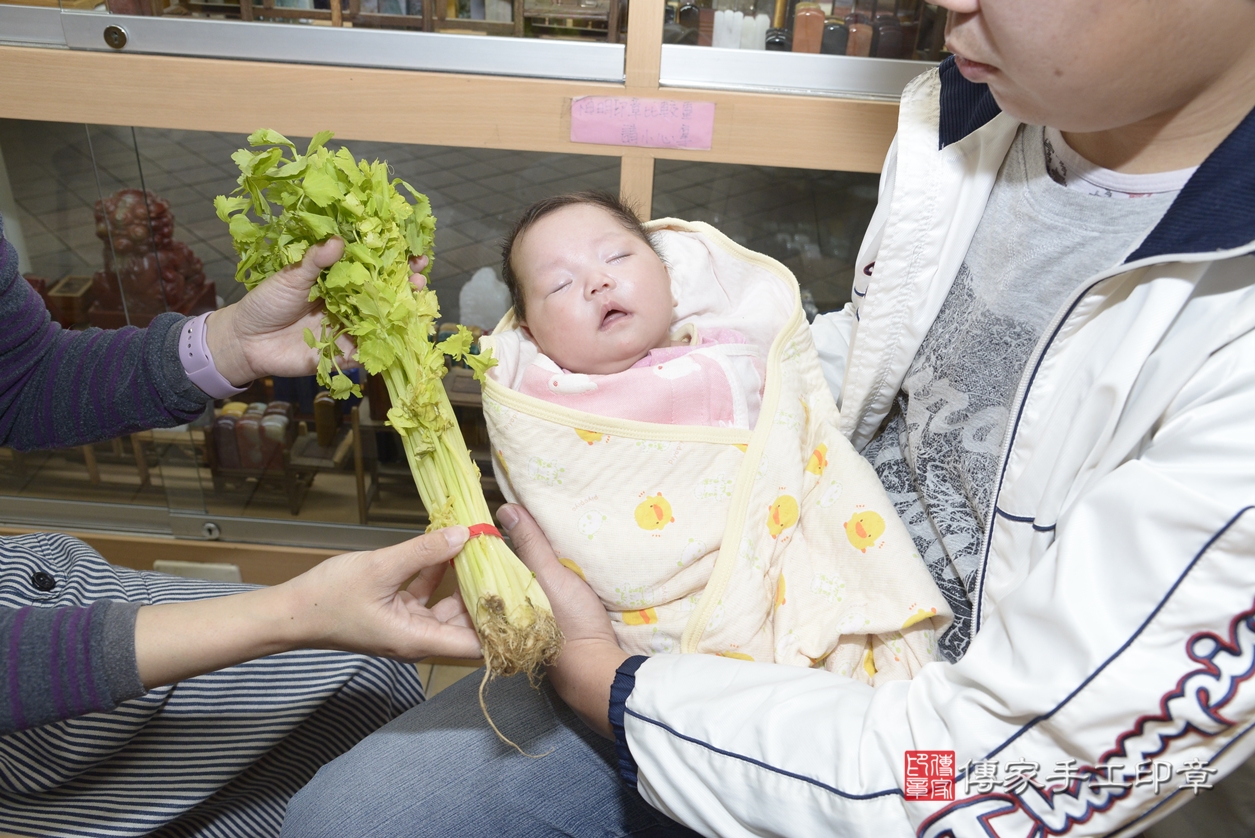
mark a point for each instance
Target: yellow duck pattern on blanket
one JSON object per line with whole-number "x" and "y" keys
{"x": 776, "y": 544}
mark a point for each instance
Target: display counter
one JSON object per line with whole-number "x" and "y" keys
{"x": 101, "y": 110}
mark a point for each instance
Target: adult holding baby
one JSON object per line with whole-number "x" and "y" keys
{"x": 1050, "y": 361}
{"x": 104, "y": 725}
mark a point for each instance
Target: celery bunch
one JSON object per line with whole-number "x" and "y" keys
{"x": 302, "y": 199}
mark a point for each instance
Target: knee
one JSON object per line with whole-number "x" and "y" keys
{"x": 382, "y": 777}
{"x": 316, "y": 810}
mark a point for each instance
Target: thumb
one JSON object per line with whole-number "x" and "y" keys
{"x": 530, "y": 543}
{"x": 316, "y": 260}
{"x": 576, "y": 606}
{"x": 399, "y": 562}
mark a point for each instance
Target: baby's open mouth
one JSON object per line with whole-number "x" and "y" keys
{"x": 612, "y": 316}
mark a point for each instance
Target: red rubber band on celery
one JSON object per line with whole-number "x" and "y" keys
{"x": 483, "y": 529}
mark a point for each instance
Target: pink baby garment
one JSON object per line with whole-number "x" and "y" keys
{"x": 716, "y": 379}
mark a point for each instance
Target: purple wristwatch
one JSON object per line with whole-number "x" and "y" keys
{"x": 199, "y": 364}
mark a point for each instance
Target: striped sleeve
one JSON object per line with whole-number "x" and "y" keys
{"x": 65, "y": 662}
{"x": 62, "y": 388}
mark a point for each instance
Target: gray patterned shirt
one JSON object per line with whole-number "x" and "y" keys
{"x": 939, "y": 451}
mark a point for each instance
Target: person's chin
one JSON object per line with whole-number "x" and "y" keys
{"x": 612, "y": 367}
{"x": 1025, "y": 106}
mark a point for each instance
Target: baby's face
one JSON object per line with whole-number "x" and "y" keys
{"x": 597, "y": 297}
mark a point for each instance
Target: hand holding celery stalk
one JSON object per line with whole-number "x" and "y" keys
{"x": 367, "y": 296}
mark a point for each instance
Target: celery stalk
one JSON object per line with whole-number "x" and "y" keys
{"x": 367, "y": 296}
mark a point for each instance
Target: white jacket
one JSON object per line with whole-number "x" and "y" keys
{"x": 1115, "y": 614}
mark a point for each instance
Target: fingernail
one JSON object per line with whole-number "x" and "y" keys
{"x": 456, "y": 536}
{"x": 508, "y": 517}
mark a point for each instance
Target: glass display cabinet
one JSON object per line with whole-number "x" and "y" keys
{"x": 116, "y": 225}
{"x": 117, "y": 124}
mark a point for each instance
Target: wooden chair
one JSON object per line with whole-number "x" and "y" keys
{"x": 371, "y": 474}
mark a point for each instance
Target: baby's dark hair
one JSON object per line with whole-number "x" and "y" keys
{"x": 622, "y": 213}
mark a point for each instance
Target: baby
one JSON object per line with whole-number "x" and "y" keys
{"x": 666, "y": 422}
{"x": 597, "y": 300}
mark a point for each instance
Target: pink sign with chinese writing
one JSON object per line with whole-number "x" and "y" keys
{"x": 647, "y": 123}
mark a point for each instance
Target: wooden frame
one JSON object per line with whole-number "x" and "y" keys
{"x": 436, "y": 108}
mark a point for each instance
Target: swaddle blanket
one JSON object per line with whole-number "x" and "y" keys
{"x": 776, "y": 543}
